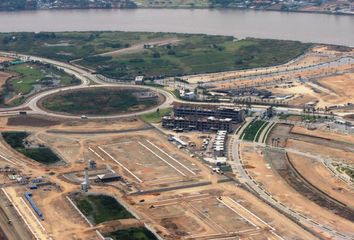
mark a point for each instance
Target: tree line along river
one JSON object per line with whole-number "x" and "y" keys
{"x": 306, "y": 27}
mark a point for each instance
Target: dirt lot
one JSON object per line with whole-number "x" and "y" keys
{"x": 209, "y": 213}
{"x": 271, "y": 181}
{"x": 342, "y": 85}
{"x": 5, "y": 59}
{"x": 318, "y": 175}
{"x": 199, "y": 212}
{"x": 3, "y": 77}
{"x": 323, "y": 134}
{"x": 155, "y": 165}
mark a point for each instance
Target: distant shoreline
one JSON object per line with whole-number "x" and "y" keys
{"x": 185, "y": 7}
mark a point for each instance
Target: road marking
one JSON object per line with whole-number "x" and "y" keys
{"x": 247, "y": 220}
{"x": 99, "y": 156}
{"x": 254, "y": 215}
{"x": 120, "y": 164}
{"x": 6, "y": 159}
{"x": 169, "y": 164}
{"x": 185, "y": 167}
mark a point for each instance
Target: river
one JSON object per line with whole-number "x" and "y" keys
{"x": 306, "y": 27}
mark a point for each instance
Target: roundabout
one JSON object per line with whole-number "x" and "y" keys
{"x": 102, "y": 101}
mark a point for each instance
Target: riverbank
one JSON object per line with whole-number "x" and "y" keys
{"x": 305, "y": 27}
{"x": 193, "y": 7}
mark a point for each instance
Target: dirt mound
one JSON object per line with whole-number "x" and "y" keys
{"x": 31, "y": 121}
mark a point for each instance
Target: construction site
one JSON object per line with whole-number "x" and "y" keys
{"x": 264, "y": 172}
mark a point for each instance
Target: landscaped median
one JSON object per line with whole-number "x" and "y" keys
{"x": 253, "y": 130}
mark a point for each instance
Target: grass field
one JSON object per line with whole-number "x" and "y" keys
{"x": 30, "y": 78}
{"x": 155, "y": 117}
{"x": 101, "y": 208}
{"x": 40, "y": 154}
{"x": 251, "y": 131}
{"x": 31, "y": 74}
{"x": 193, "y": 54}
{"x": 66, "y": 46}
{"x": 132, "y": 234}
{"x": 197, "y": 54}
{"x": 101, "y": 101}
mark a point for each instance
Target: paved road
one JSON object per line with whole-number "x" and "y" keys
{"x": 235, "y": 162}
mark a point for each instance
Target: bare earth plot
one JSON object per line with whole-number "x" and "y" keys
{"x": 206, "y": 214}
{"x": 263, "y": 172}
{"x": 152, "y": 166}
{"x": 140, "y": 47}
{"x": 318, "y": 175}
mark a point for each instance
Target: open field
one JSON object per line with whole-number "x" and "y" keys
{"x": 132, "y": 234}
{"x": 66, "y": 46}
{"x": 196, "y": 54}
{"x": 27, "y": 79}
{"x": 27, "y": 75}
{"x": 153, "y": 166}
{"x": 101, "y": 208}
{"x": 111, "y": 101}
{"x": 156, "y": 116}
{"x": 318, "y": 175}
{"x": 209, "y": 213}
{"x": 19, "y": 141}
{"x": 191, "y": 54}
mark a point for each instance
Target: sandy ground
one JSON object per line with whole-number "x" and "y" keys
{"x": 198, "y": 212}
{"x": 323, "y": 134}
{"x": 342, "y": 85}
{"x": 140, "y": 47}
{"x": 326, "y": 152}
{"x": 63, "y": 222}
{"x": 5, "y": 59}
{"x": 276, "y": 186}
{"x": 318, "y": 175}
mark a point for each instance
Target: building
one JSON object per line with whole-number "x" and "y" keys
{"x": 220, "y": 144}
{"x": 235, "y": 114}
{"x": 139, "y": 80}
{"x": 200, "y": 124}
{"x": 108, "y": 177}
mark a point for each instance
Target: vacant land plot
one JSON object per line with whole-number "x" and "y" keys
{"x": 101, "y": 208}
{"x": 342, "y": 85}
{"x": 66, "y": 46}
{"x": 40, "y": 154}
{"x": 197, "y": 54}
{"x": 152, "y": 167}
{"x": 100, "y": 101}
{"x": 132, "y": 234}
{"x": 192, "y": 54}
{"x": 28, "y": 75}
{"x": 203, "y": 216}
{"x": 318, "y": 175}
{"x": 26, "y": 79}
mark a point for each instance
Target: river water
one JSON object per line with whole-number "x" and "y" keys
{"x": 306, "y": 27}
